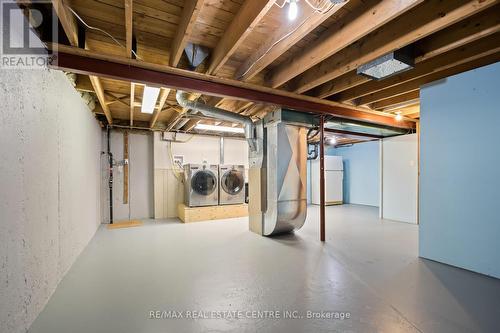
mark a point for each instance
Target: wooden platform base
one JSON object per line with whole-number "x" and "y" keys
{"x": 197, "y": 214}
{"x": 125, "y": 224}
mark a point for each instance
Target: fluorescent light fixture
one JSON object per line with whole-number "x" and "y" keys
{"x": 388, "y": 65}
{"x": 215, "y": 128}
{"x": 149, "y": 98}
{"x": 293, "y": 10}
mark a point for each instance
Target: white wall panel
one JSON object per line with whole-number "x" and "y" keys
{"x": 399, "y": 178}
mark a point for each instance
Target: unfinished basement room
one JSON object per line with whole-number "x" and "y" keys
{"x": 250, "y": 166}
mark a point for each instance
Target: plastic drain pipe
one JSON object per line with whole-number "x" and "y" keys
{"x": 213, "y": 112}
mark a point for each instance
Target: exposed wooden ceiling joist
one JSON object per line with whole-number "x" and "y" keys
{"x": 132, "y": 101}
{"x": 128, "y": 26}
{"x": 406, "y": 99}
{"x": 458, "y": 35}
{"x": 487, "y": 58}
{"x": 288, "y": 34}
{"x": 188, "y": 19}
{"x": 339, "y": 84}
{"x": 339, "y": 36}
{"x": 472, "y": 51}
{"x": 84, "y": 62}
{"x": 444, "y": 34}
{"x": 163, "y": 98}
{"x": 418, "y": 23}
{"x": 249, "y": 15}
{"x": 68, "y": 21}
{"x": 96, "y": 83}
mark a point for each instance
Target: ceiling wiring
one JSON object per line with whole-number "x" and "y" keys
{"x": 322, "y": 8}
{"x": 280, "y": 40}
{"x": 102, "y": 31}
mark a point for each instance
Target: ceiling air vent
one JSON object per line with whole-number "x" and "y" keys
{"x": 388, "y": 65}
{"x": 195, "y": 54}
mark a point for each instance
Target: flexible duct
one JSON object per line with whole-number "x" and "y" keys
{"x": 211, "y": 111}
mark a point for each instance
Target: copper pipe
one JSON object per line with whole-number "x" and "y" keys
{"x": 322, "y": 179}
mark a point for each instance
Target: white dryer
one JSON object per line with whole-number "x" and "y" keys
{"x": 231, "y": 184}
{"x": 201, "y": 185}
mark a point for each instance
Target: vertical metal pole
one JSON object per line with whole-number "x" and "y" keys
{"x": 322, "y": 179}
{"x": 221, "y": 147}
{"x": 110, "y": 160}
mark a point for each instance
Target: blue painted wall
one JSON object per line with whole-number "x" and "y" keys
{"x": 460, "y": 171}
{"x": 361, "y": 172}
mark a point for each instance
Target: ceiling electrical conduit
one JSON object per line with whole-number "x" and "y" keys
{"x": 211, "y": 111}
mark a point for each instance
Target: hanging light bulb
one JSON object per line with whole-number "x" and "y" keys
{"x": 398, "y": 116}
{"x": 293, "y": 10}
{"x": 332, "y": 140}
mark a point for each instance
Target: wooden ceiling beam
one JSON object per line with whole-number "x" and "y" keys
{"x": 483, "y": 60}
{"x": 99, "y": 91}
{"x": 132, "y": 103}
{"x": 458, "y": 35}
{"x": 129, "y": 13}
{"x": 120, "y": 68}
{"x": 249, "y": 15}
{"x": 83, "y": 84}
{"x": 68, "y": 21}
{"x": 189, "y": 15}
{"x": 339, "y": 36}
{"x": 464, "y": 32}
{"x": 420, "y": 22}
{"x": 349, "y": 80}
{"x": 275, "y": 45}
{"x": 163, "y": 98}
{"x": 448, "y": 60}
{"x": 191, "y": 124}
{"x": 409, "y": 98}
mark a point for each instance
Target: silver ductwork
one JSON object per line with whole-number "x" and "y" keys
{"x": 277, "y": 175}
{"x": 211, "y": 111}
{"x": 277, "y": 157}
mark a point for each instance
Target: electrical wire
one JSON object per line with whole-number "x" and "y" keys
{"x": 283, "y": 37}
{"x": 322, "y": 9}
{"x": 282, "y": 5}
{"x": 176, "y": 169}
{"x": 101, "y": 30}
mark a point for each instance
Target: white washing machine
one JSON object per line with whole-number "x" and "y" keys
{"x": 231, "y": 184}
{"x": 201, "y": 185}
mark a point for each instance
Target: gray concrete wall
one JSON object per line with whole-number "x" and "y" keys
{"x": 49, "y": 188}
{"x": 141, "y": 201}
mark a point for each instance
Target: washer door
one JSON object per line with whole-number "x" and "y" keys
{"x": 204, "y": 182}
{"x": 232, "y": 182}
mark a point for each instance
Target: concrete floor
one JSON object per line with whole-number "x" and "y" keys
{"x": 368, "y": 268}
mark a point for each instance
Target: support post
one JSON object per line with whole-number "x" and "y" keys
{"x": 110, "y": 181}
{"x": 125, "y": 167}
{"x": 322, "y": 179}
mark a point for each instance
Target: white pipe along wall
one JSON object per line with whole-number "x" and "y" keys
{"x": 49, "y": 188}
{"x": 140, "y": 180}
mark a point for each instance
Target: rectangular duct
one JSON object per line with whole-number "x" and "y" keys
{"x": 277, "y": 175}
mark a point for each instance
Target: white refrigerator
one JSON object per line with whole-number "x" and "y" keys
{"x": 334, "y": 178}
